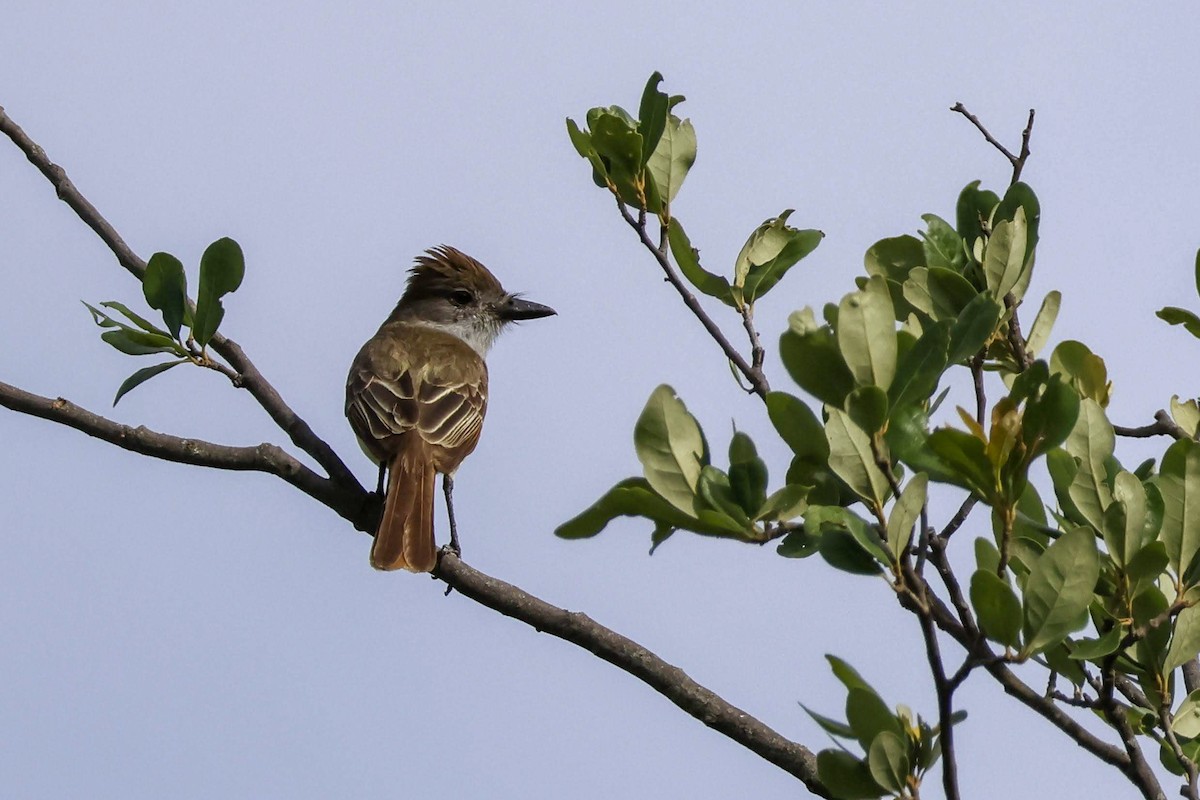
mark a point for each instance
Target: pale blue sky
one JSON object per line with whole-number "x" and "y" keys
{"x": 171, "y": 632}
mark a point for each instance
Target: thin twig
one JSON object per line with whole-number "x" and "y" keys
{"x": 945, "y": 701}
{"x": 1017, "y": 161}
{"x": 250, "y": 378}
{"x": 756, "y": 377}
{"x": 1016, "y": 340}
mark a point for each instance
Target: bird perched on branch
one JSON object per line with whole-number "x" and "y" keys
{"x": 417, "y": 392}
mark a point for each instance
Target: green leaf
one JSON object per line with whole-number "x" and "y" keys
{"x": 1125, "y": 519}
{"x": 846, "y": 674}
{"x": 688, "y": 259}
{"x": 221, "y": 270}
{"x": 1039, "y": 332}
{"x": 1185, "y": 641}
{"x": 866, "y": 334}
{"x": 140, "y": 343}
{"x": 1180, "y": 316}
{"x": 867, "y": 407}
{"x": 1084, "y": 369}
{"x": 937, "y": 292}
{"x": 811, "y": 356}
{"x": 1187, "y": 717}
{"x": 942, "y": 244}
{"x": 1186, "y": 415}
{"x": 997, "y": 607}
{"x": 974, "y": 326}
{"x": 831, "y": 726}
{"x": 965, "y": 460}
{"x": 919, "y": 370}
{"x": 1019, "y": 198}
{"x": 633, "y": 497}
{"x": 747, "y": 473}
{"x": 784, "y": 504}
{"x": 773, "y": 249}
{"x": 1091, "y": 442}
{"x": 652, "y": 115}
{"x": 582, "y": 141}
{"x": 1093, "y": 649}
{"x": 842, "y": 540}
{"x": 165, "y": 287}
{"x": 142, "y": 375}
{"x": 905, "y": 514}
{"x": 798, "y": 426}
{"x": 1059, "y": 590}
{"x": 672, "y": 158}
{"x": 846, "y": 777}
{"x": 671, "y": 447}
{"x": 1004, "y": 256}
{"x": 887, "y": 758}
{"x": 1049, "y": 418}
{"x": 868, "y": 716}
{"x": 140, "y": 322}
{"x": 850, "y": 457}
{"x": 974, "y": 210}
{"x": 1179, "y": 483}
{"x": 716, "y": 491}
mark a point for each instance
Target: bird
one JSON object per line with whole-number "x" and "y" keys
{"x": 417, "y": 393}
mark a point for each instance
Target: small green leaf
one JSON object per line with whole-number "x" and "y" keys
{"x": 841, "y": 550}
{"x": 784, "y": 504}
{"x": 813, "y": 360}
{"x": 672, "y": 158}
{"x": 1093, "y": 649}
{"x": 1180, "y": 316}
{"x": 222, "y": 268}
{"x": 633, "y": 497}
{"x": 773, "y": 249}
{"x": 848, "y": 675}
{"x": 1186, "y": 415}
{"x": 1091, "y": 442}
{"x": 964, "y": 459}
{"x": 140, "y": 322}
{"x": 942, "y": 244}
{"x": 974, "y": 326}
{"x": 867, "y": 407}
{"x": 887, "y": 758}
{"x": 831, "y": 726}
{"x": 718, "y": 494}
{"x": 850, "y": 457}
{"x": 866, "y": 334}
{"x": 671, "y": 447}
{"x": 688, "y": 259}
{"x": 165, "y": 288}
{"x": 1004, "y": 256}
{"x": 1187, "y": 718}
{"x": 798, "y": 426}
{"x": 1059, "y": 590}
{"x": 1179, "y": 484}
{"x": 997, "y": 607}
{"x": 747, "y": 474}
{"x": 937, "y": 292}
{"x": 1185, "y": 640}
{"x": 847, "y": 777}
{"x": 1084, "y": 369}
{"x": 1039, "y": 332}
{"x": 974, "y": 210}
{"x": 868, "y": 716}
{"x": 920, "y": 368}
{"x": 142, "y": 375}
{"x": 652, "y": 115}
{"x": 905, "y": 514}
{"x": 140, "y": 343}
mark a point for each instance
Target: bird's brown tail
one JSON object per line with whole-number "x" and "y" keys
{"x": 405, "y": 536}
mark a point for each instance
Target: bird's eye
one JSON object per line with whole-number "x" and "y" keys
{"x": 461, "y": 297}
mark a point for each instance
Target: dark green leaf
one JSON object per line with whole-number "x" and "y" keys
{"x": 165, "y": 288}
{"x": 831, "y": 726}
{"x": 868, "y": 716}
{"x": 919, "y": 370}
{"x": 813, "y": 360}
{"x": 747, "y": 474}
{"x": 847, "y": 777}
{"x": 141, "y": 322}
{"x": 798, "y": 426}
{"x": 943, "y": 246}
{"x": 974, "y": 210}
{"x": 221, "y": 270}
{"x": 1180, "y": 316}
{"x": 867, "y": 407}
{"x": 965, "y": 460}
{"x": 974, "y": 326}
{"x": 1093, "y": 649}
{"x": 1049, "y": 418}
{"x": 688, "y": 259}
{"x": 718, "y": 494}
{"x": 632, "y": 497}
{"x": 652, "y": 115}
{"x": 784, "y": 504}
{"x": 841, "y": 551}
{"x": 142, "y": 375}
{"x": 997, "y": 607}
{"x": 1179, "y": 483}
{"x": 1059, "y": 590}
{"x": 1185, "y": 640}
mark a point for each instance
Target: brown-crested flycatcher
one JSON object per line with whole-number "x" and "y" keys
{"x": 417, "y": 393}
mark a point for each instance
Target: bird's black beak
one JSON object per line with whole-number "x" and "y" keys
{"x": 516, "y": 308}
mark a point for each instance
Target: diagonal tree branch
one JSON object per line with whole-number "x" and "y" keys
{"x": 626, "y": 654}
{"x": 271, "y": 459}
{"x": 250, "y": 378}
